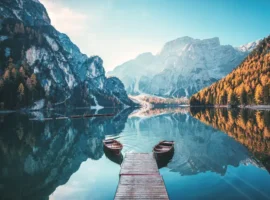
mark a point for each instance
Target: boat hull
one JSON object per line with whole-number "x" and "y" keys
{"x": 114, "y": 157}
{"x": 115, "y": 151}
{"x": 164, "y": 158}
{"x": 113, "y": 146}
{"x": 163, "y": 153}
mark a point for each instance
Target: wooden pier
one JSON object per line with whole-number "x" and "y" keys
{"x": 140, "y": 178}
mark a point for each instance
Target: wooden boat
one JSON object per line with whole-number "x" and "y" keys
{"x": 113, "y": 145}
{"x": 164, "y": 147}
{"x": 116, "y": 158}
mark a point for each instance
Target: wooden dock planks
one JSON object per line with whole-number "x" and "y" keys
{"x": 140, "y": 178}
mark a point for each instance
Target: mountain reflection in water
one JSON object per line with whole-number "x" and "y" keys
{"x": 39, "y": 156}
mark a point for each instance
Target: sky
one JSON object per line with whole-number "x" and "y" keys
{"x": 119, "y": 30}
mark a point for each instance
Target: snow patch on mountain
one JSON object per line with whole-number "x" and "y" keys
{"x": 52, "y": 43}
{"x": 38, "y": 105}
{"x": 16, "y": 12}
{"x": 34, "y": 53}
{"x": 249, "y": 46}
{"x": 36, "y": 70}
{"x": 46, "y": 85}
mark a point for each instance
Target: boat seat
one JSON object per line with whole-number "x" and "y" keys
{"x": 163, "y": 146}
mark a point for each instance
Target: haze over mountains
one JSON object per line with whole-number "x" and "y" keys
{"x": 183, "y": 67}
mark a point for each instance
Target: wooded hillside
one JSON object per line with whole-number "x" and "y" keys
{"x": 249, "y": 83}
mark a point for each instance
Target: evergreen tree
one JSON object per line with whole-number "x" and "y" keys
{"x": 22, "y": 72}
{"x": 14, "y": 73}
{"x": 1, "y": 83}
{"x": 243, "y": 96}
{"x": 266, "y": 94}
{"x": 232, "y": 98}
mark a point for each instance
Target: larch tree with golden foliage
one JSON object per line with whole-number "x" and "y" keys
{"x": 259, "y": 94}
{"x": 249, "y": 83}
{"x": 21, "y": 90}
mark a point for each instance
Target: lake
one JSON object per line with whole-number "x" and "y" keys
{"x": 219, "y": 153}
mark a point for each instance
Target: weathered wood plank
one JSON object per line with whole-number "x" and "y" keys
{"x": 140, "y": 178}
{"x": 137, "y": 180}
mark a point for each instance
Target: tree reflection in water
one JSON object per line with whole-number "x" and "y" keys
{"x": 249, "y": 127}
{"x": 38, "y": 156}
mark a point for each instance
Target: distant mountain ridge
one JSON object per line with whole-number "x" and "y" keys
{"x": 67, "y": 76}
{"x": 183, "y": 67}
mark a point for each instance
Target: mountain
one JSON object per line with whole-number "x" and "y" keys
{"x": 249, "y": 46}
{"x": 29, "y": 45}
{"x": 181, "y": 68}
{"x": 249, "y": 83}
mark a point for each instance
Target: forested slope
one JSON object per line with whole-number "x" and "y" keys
{"x": 249, "y": 83}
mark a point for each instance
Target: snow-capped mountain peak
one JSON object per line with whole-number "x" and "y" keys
{"x": 249, "y": 46}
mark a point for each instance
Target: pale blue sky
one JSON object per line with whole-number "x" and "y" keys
{"x": 119, "y": 30}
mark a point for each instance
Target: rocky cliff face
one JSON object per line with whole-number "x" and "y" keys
{"x": 66, "y": 75}
{"x": 183, "y": 67}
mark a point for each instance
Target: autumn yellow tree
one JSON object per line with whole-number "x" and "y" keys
{"x": 259, "y": 94}
{"x": 34, "y": 80}
{"x": 6, "y": 75}
{"x": 249, "y": 83}
{"x": 21, "y": 90}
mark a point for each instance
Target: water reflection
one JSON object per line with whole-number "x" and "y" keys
{"x": 64, "y": 159}
{"x": 249, "y": 127}
{"x": 198, "y": 148}
{"x": 38, "y": 156}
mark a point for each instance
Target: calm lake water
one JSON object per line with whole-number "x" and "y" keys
{"x": 219, "y": 154}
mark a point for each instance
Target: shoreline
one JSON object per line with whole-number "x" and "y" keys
{"x": 157, "y": 106}
{"x": 253, "y": 107}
